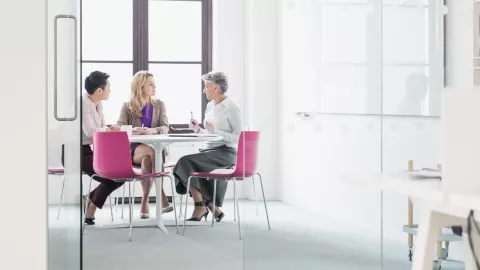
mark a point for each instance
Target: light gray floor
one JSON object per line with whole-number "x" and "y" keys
{"x": 298, "y": 240}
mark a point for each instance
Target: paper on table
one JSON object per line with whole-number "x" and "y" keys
{"x": 426, "y": 174}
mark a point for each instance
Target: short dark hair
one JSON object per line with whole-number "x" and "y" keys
{"x": 95, "y": 80}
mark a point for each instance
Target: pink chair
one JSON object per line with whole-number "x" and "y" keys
{"x": 245, "y": 168}
{"x": 112, "y": 160}
{"x": 61, "y": 172}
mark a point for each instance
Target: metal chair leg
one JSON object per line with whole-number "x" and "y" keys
{"x": 234, "y": 207}
{"x": 213, "y": 203}
{"x": 180, "y": 215}
{"x": 173, "y": 201}
{"x": 61, "y": 197}
{"x": 264, "y": 202}
{"x": 186, "y": 205}
{"x": 130, "y": 204}
{"x": 111, "y": 207}
{"x": 255, "y": 194}
{"x": 237, "y": 208}
{"x": 116, "y": 201}
{"x": 123, "y": 198}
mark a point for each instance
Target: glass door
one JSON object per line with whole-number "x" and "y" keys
{"x": 64, "y": 135}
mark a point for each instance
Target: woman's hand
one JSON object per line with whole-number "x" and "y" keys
{"x": 195, "y": 126}
{"x": 139, "y": 130}
{"x": 148, "y": 131}
{"x": 209, "y": 127}
{"x": 114, "y": 128}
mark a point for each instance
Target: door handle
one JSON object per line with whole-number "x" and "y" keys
{"x": 55, "y": 68}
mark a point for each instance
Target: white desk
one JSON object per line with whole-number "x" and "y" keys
{"x": 439, "y": 210}
{"x": 159, "y": 142}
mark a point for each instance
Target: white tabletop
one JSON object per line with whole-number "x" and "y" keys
{"x": 173, "y": 138}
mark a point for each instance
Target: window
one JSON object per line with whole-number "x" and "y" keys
{"x": 171, "y": 38}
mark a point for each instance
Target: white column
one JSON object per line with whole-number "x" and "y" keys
{"x": 23, "y": 202}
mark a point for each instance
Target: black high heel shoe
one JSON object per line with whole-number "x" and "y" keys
{"x": 200, "y": 204}
{"x": 90, "y": 221}
{"x": 219, "y": 217}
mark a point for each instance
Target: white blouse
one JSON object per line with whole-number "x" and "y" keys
{"x": 92, "y": 119}
{"x": 226, "y": 120}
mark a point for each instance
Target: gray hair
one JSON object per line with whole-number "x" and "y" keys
{"x": 218, "y": 78}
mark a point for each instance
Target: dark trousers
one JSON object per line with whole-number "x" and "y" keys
{"x": 99, "y": 195}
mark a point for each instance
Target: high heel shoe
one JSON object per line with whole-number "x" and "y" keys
{"x": 217, "y": 218}
{"x": 199, "y": 204}
{"x": 90, "y": 221}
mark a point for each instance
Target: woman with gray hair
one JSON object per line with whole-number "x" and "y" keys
{"x": 222, "y": 117}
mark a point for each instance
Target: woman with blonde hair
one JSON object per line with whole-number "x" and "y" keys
{"x": 147, "y": 115}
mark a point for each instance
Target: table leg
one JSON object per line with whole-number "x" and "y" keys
{"x": 410, "y": 225}
{"x": 427, "y": 236}
{"x": 158, "y": 188}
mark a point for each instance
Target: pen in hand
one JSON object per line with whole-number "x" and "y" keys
{"x": 191, "y": 118}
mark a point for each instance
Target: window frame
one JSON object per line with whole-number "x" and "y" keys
{"x": 141, "y": 45}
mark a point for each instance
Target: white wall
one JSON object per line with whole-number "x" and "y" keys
{"x": 23, "y": 235}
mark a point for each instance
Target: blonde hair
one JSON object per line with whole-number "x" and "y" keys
{"x": 135, "y": 104}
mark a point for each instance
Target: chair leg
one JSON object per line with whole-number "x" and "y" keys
{"x": 61, "y": 197}
{"x": 123, "y": 198}
{"x": 213, "y": 204}
{"x": 255, "y": 194}
{"x": 237, "y": 208}
{"x": 186, "y": 205}
{"x": 173, "y": 201}
{"x": 87, "y": 201}
{"x": 180, "y": 215}
{"x": 130, "y": 204}
{"x": 116, "y": 201}
{"x": 111, "y": 207}
{"x": 264, "y": 201}
{"x": 234, "y": 207}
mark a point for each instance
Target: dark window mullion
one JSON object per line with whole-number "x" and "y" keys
{"x": 206, "y": 46}
{"x": 145, "y": 34}
{"x": 136, "y": 35}
{"x": 141, "y": 43}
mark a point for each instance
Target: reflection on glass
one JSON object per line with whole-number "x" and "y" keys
{"x": 412, "y": 58}
{"x": 414, "y": 99}
{"x": 405, "y": 34}
{"x": 406, "y": 89}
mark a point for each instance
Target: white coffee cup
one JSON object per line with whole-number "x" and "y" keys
{"x": 128, "y": 129}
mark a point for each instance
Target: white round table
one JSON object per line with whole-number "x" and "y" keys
{"x": 159, "y": 142}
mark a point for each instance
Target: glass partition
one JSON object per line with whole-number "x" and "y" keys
{"x": 64, "y": 137}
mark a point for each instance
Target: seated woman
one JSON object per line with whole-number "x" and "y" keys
{"x": 222, "y": 117}
{"x": 147, "y": 115}
{"x": 97, "y": 86}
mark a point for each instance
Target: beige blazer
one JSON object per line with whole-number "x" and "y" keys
{"x": 159, "y": 117}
